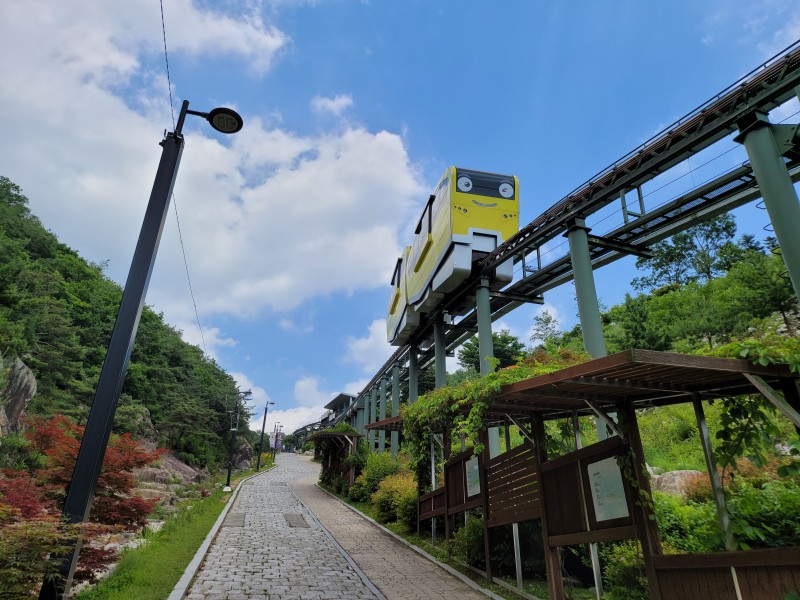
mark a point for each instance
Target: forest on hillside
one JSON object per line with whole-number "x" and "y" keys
{"x": 56, "y": 315}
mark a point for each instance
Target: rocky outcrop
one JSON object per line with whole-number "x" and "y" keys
{"x": 675, "y": 483}
{"x": 169, "y": 470}
{"x": 243, "y": 454}
{"x": 20, "y": 387}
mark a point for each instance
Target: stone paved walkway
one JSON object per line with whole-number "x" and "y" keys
{"x": 272, "y": 546}
{"x": 397, "y": 571}
{"x": 257, "y": 554}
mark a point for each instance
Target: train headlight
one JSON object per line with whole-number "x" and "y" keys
{"x": 506, "y": 190}
{"x": 464, "y": 184}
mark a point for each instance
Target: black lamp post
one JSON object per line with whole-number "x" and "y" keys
{"x": 275, "y": 444}
{"x": 101, "y": 416}
{"x": 234, "y": 429}
{"x": 261, "y": 443}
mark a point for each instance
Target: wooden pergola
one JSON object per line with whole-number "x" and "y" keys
{"x": 584, "y": 497}
{"x": 342, "y": 444}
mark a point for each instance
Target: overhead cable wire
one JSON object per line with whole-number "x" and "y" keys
{"x": 166, "y": 60}
{"x": 174, "y": 199}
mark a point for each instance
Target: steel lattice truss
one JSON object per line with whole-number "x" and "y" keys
{"x": 765, "y": 88}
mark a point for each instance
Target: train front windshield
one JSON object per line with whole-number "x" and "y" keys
{"x": 485, "y": 184}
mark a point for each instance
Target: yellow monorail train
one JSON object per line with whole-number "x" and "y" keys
{"x": 467, "y": 216}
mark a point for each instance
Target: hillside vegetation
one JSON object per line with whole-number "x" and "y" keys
{"x": 56, "y": 314}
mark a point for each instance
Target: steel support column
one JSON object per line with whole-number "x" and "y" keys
{"x": 395, "y": 444}
{"x": 382, "y": 416}
{"x": 586, "y": 295}
{"x": 777, "y": 190}
{"x": 373, "y": 405}
{"x": 439, "y": 352}
{"x": 486, "y": 349}
{"x": 585, "y": 291}
{"x": 413, "y": 374}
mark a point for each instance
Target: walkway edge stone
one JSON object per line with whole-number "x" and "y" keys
{"x": 463, "y": 578}
{"x": 372, "y": 587}
{"x": 180, "y": 589}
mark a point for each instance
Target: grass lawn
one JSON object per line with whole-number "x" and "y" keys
{"x": 151, "y": 571}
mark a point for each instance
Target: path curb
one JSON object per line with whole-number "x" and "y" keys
{"x": 180, "y": 589}
{"x": 463, "y": 578}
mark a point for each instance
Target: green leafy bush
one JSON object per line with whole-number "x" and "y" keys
{"x": 467, "y": 543}
{"x": 378, "y": 467}
{"x": 624, "y": 577}
{"x": 765, "y": 516}
{"x": 396, "y": 499}
{"x": 687, "y": 526}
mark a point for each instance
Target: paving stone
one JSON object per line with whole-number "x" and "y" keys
{"x": 272, "y": 547}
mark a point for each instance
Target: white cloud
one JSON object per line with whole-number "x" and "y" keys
{"x": 259, "y": 396}
{"x": 310, "y": 401}
{"x": 307, "y": 393}
{"x": 335, "y": 105}
{"x": 212, "y": 336}
{"x": 269, "y": 221}
{"x": 372, "y": 351}
{"x": 292, "y": 326}
{"x": 290, "y": 419}
{"x": 355, "y": 387}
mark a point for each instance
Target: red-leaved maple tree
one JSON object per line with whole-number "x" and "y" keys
{"x": 31, "y": 500}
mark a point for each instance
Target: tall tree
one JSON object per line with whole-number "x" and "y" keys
{"x": 698, "y": 253}
{"x": 545, "y": 328}
{"x": 507, "y": 350}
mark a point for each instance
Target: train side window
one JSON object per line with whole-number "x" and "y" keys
{"x": 398, "y": 269}
{"x": 442, "y": 195}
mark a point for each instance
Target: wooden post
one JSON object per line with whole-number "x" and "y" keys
{"x": 552, "y": 555}
{"x": 643, "y": 516}
{"x": 446, "y": 452}
{"x": 487, "y": 542}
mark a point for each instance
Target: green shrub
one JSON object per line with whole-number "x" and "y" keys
{"x": 765, "y": 516}
{"x": 379, "y": 466}
{"x": 687, "y": 526}
{"x": 624, "y": 577}
{"x": 467, "y": 543}
{"x": 358, "y": 491}
{"x": 394, "y": 499}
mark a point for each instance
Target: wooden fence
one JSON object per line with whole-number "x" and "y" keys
{"x": 770, "y": 574}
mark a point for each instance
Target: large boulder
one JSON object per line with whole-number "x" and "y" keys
{"x": 19, "y": 388}
{"x": 675, "y": 483}
{"x": 242, "y": 454}
{"x": 169, "y": 469}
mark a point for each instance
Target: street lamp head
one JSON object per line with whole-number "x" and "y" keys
{"x": 225, "y": 120}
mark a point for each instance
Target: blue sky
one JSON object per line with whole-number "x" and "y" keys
{"x": 352, "y": 111}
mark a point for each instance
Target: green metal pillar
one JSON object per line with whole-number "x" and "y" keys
{"x": 373, "y": 405}
{"x": 486, "y": 349}
{"x": 382, "y": 434}
{"x": 585, "y": 291}
{"x": 439, "y": 352}
{"x": 413, "y": 374}
{"x": 777, "y": 189}
{"x": 586, "y": 294}
{"x": 395, "y": 406}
